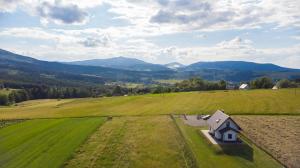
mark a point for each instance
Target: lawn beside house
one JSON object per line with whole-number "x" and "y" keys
{"x": 231, "y": 156}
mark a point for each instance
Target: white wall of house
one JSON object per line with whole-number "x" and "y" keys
{"x": 218, "y": 135}
{"x": 226, "y": 136}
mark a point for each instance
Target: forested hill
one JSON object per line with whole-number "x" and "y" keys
{"x": 14, "y": 67}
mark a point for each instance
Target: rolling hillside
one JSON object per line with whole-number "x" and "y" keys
{"x": 14, "y": 67}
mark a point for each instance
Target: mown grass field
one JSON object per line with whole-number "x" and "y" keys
{"x": 283, "y": 101}
{"x": 44, "y": 142}
{"x": 133, "y": 142}
{"x": 231, "y": 156}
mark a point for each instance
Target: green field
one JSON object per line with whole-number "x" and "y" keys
{"x": 43, "y": 142}
{"x": 169, "y": 81}
{"x": 6, "y": 91}
{"x": 283, "y": 101}
{"x": 71, "y": 132}
{"x": 133, "y": 142}
{"x": 231, "y": 156}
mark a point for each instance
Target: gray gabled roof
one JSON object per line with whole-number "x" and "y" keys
{"x": 217, "y": 119}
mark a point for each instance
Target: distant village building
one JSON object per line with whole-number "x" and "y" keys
{"x": 275, "y": 87}
{"x": 231, "y": 86}
{"x": 244, "y": 86}
{"x": 222, "y": 127}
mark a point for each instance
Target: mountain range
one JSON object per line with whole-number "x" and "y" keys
{"x": 19, "y": 68}
{"x": 122, "y": 63}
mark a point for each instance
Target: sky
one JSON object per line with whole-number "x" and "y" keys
{"x": 156, "y": 31}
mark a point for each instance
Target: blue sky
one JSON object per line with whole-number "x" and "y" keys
{"x": 157, "y": 31}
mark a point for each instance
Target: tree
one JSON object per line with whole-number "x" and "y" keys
{"x": 284, "y": 83}
{"x": 262, "y": 83}
{"x": 4, "y": 99}
{"x": 117, "y": 91}
{"x": 222, "y": 85}
{"x": 1, "y": 86}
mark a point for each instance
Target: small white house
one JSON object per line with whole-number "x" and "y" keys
{"x": 244, "y": 86}
{"x": 275, "y": 87}
{"x": 222, "y": 127}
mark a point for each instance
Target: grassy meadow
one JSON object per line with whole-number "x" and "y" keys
{"x": 133, "y": 142}
{"x": 283, "y": 101}
{"x": 43, "y": 142}
{"x": 75, "y": 132}
{"x": 231, "y": 156}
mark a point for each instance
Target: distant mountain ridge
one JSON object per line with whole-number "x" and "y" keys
{"x": 236, "y": 65}
{"x": 122, "y": 63}
{"x": 18, "y": 68}
{"x": 14, "y": 67}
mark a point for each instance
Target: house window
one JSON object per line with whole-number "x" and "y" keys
{"x": 228, "y": 124}
{"x": 229, "y": 136}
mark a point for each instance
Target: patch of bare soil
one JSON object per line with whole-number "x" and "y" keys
{"x": 5, "y": 123}
{"x": 279, "y": 135}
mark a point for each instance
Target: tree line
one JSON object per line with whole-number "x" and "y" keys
{"x": 266, "y": 83}
{"x": 30, "y": 92}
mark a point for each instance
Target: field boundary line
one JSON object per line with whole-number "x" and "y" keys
{"x": 72, "y": 156}
{"x": 186, "y": 145}
{"x": 149, "y": 115}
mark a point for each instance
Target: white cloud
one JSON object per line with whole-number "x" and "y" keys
{"x": 61, "y": 14}
{"x": 295, "y": 37}
{"x": 97, "y": 43}
{"x": 154, "y": 18}
{"x": 165, "y": 15}
{"x": 9, "y": 5}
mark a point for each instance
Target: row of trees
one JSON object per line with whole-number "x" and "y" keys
{"x": 42, "y": 92}
{"x": 265, "y": 83}
{"x": 193, "y": 84}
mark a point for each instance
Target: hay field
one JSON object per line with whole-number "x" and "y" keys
{"x": 279, "y": 135}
